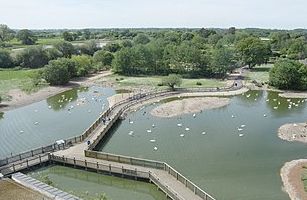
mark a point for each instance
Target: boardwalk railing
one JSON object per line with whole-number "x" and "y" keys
{"x": 123, "y": 171}
{"x": 150, "y": 164}
{"x": 24, "y": 164}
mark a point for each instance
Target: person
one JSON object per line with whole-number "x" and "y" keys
{"x": 88, "y": 142}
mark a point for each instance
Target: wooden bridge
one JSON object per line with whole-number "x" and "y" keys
{"x": 75, "y": 152}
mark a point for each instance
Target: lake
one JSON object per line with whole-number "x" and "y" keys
{"x": 231, "y": 152}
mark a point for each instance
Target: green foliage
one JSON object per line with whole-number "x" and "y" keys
{"x": 56, "y": 74}
{"x": 6, "y": 60}
{"x": 172, "y": 80}
{"x": 103, "y": 58}
{"x": 83, "y": 63}
{"x": 66, "y": 48}
{"x": 53, "y": 53}
{"x": 112, "y": 47}
{"x": 67, "y": 36}
{"x": 26, "y": 37}
{"x": 89, "y": 47}
{"x": 67, "y": 63}
{"x": 223, "y": 61}
{"x": 141, "y": 39}
{"x": 253, "y": 51}
{"x": 32, "y": 57}
{"x": 6, "y": 33}
{"x": 288, "y": 74}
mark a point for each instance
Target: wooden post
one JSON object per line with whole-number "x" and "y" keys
{"x": 7, "y": 160}
{"x": 14, "y": 167}
{"x": 136, "y": 174}
{"x": 74, "y": 162}
{"x": 42, "y": 149}
{"x": 27, "y": 163}
{"x": 110, "y": 168}
{"x": 40, "y": 159}
{"x": 32, "y": 153}
{"x": 122, "y": 171}
{"x": 97, "y": 167}
{"x": 85, "y": 165}
{"x": 19, "y": 156}
{"x": 63, "y": 160}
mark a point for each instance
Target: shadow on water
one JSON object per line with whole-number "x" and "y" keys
{"x": 1, "y": 115}
{"x": 60, "y": 101}
{"x": 108, "y": 136}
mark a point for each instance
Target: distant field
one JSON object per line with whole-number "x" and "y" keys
{"x": 260, "y": 73}
{"x": 15, "y": 79}
{"x": 153, "y": 81}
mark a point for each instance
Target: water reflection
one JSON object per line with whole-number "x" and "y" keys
{"x": 1, "y": 115}
{"x": 60, "y": 101}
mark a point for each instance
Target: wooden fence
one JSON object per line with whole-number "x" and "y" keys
{"x": 150, "y": 164}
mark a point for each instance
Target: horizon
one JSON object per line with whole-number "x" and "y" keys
{"x": 81, "y": 14}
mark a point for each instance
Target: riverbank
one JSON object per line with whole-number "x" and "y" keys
{"x": 298, "y": 95}
{"x": 188, "y": 106}
{"x": 20, "y": 98}
{"x": 291, "y": 174}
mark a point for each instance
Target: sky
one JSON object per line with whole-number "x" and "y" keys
{"x": 49, "y": 14}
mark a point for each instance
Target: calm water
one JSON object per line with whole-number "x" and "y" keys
{"x": 88, "y": 185}
{"x": 59, "y": 117}
{"x": 226, "y": 165}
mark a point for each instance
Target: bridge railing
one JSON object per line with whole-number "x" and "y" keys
{"x": 131, "y": 101}
{"x": 150, "y": 164}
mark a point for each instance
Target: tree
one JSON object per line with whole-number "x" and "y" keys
{"x": 288, "y": 74}
{"x": 67, "y": 36}
{"x": 6, "y": 33}
{"x": 6, "y": 60}
{"x": 56, "y": 74}
{"x": 205, "y": 33}
{"x": 253, "y": 51}
{"x": 232, "y": 30}
{"x": 172, "y": 80}
{"x": 112, "y": 47}
{"x": 53, "y": 53}
{"x": 223, "y": 61}
{"x": 141, "y": 39}
{"x": 103, "y": 58}
{"x": 83, "y": 64}
{"x": 89, "y": 47}
{"x": 66, "y": 48}
{"x": 67, "y": 63}
{"x": 26, "y": 37}
{"x": 32, "y": 57}
{"x": 86, "y": 34}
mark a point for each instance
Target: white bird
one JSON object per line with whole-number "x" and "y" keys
{"x": 243, "y": 125}
{"x": 153, "y": 140}
{"x": 276, "y": 108}
{"x": 131, "y": 122}
{"x": 240, "y": 129}
{"x": 274, "y": 99}
{"x": 203, "y": 133}
{"x": 181, "y": 135}
{"x": 241, "y": 135}
{"x": 35, "y": 110}
{"x": 278, "y": 102}
{"x": 264, "y": 115}
{"x": 267, "y": 100}
{"x": 155, "y": 148}
{"x": 36, "y": 123}
{"x": 194, "y": 115}
{"x": 294, "y": 125}
{"x": 288, "y": 100}
{"x": 148, "y": 131}
{"x": 153, "y": 125}
{"x": 21, "y": 132}
{"x": 49, "y": 107}
{"x": 232, "y": 116}
{"x": 130, "y": 133}
{"x": 187, "y": 129}
{"x": 179, "y": 125}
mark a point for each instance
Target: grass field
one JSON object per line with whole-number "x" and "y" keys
{"x": 260, "y": 73}
{"x": 16, "y": 79}
{"x": 154, "y": 81}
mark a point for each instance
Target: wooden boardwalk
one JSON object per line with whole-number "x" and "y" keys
{"x": 76, "y": 152}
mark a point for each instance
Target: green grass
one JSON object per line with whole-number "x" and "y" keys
{"x": 153, "y": 81}
{"x": 260, "y": 73}
{"x": 16, "y": 79}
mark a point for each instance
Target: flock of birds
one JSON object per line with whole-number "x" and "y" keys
{"x": 240, "y": 128}
{"x": 79, "y": 102}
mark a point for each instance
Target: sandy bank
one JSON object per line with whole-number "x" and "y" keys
{"x": 20, "y": 98}
{"x": 291, "y": 174}
{"x": 118, "y": 98}
{"x": 298, "y": 95}
{"x": 189, "y": 105}
{"x": 293, "y": 132}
